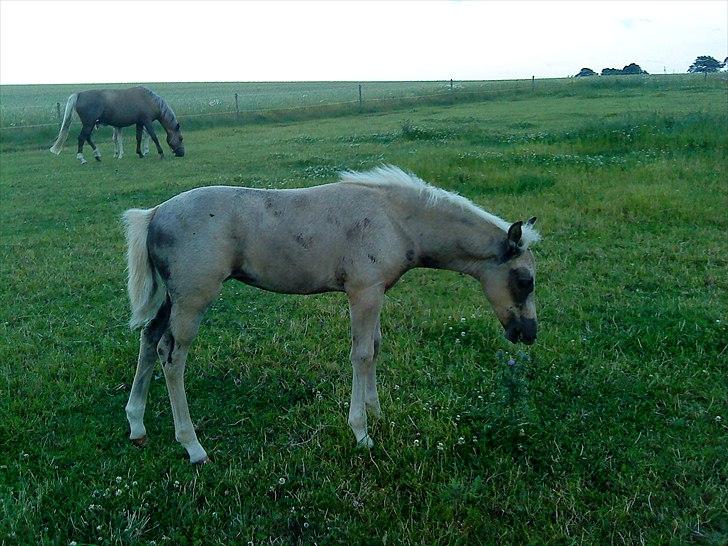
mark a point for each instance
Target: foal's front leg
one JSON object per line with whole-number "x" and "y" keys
{"x": 371, "y": 397}
{"x": 364, "y": 306}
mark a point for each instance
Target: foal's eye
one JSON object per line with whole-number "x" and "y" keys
{"x": 525, "y": 284}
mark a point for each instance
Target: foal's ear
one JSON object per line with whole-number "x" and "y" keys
{"x": 515, "y": 233}
{"x": 531, "y": 221}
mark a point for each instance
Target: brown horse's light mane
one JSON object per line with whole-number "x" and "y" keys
{"x": 394, "y": 177}
{"x": 166, "y": 113}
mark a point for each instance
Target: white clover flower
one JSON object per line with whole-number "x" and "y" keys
{"x": 416, "y": 443}
{"x": 118, "y": 479}
{"x": 281, "y": 481}
{"x": 461, "y": 440}
{"x": 440, "y": 446}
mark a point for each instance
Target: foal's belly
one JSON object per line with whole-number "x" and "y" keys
{"x": 288, "y": 273}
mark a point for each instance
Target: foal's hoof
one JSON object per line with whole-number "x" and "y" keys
{"x": 365, "y": 443}
{"x": 204, "y": 460}
{"x": 139, "y": 442}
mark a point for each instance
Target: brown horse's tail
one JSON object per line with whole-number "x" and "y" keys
{"x": 63, "y": 133}
{"x": 146, "y": 289}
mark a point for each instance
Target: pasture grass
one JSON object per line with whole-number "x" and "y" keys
{"x": 612, "y": 429}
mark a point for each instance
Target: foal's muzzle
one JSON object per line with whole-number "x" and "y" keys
{"x": 179, "y": 152}
{"x": 521, "y": 329}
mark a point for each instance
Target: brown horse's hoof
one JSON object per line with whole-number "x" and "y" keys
{"x": 139, "y": 442}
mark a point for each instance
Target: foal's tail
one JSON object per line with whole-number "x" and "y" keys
{"x": 63, "y": 133}
{"x": 146, "y": 290}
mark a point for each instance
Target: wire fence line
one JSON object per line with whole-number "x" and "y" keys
{"x": 247, "y": 111}
{"x": 241, "y": 111}
{"x": 450, "y": 90}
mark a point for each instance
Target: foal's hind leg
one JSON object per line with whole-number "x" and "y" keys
{"x": 173, "y": 349}
{"x": 364, "y": 306}
{"x": 151, "y": 334}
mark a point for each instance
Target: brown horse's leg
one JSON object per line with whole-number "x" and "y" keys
{"x": 150, "y": 131}
{"x": 97, "y": 152}
{"x": 83, "y": 136}
{"x": 364, "y": 306}
{"x": 139, "y": 130}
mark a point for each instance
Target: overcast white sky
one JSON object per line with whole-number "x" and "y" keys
{"x": 84, "y": 42}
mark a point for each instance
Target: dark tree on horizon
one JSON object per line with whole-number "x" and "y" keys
{"x": 631, "y": 68}
{"x": 706, "y": 63}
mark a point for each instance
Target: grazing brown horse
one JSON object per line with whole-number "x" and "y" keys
{"x": 356, "y": 236}
{"x": 120, "y": 108}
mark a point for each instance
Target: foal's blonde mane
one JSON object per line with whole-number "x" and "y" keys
{"x": 389, "y": 176}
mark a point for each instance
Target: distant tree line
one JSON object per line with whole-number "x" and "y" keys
{"x": 631, "y": 68}
{"x": 703, "y": 63}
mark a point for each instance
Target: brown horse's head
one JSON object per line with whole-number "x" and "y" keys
{"x": 509, "y": 285}
{"x": 174, "y": 139}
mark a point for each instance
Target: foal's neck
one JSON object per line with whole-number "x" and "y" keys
{"x": 450, "y": 236}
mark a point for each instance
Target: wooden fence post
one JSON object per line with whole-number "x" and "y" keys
{"x": 533, "y": 83}
{"x": 58, "y": 112}
{"x": 450, "y": 85}
{"x": 360, "y": 102}
{"x": 237, "y": 108}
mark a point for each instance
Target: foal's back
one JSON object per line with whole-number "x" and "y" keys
{"x": 325, "y": 238}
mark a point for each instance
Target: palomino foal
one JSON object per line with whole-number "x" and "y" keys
{"x": 357, "y": 236}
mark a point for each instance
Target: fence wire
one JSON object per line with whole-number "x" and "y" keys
{"x": 249, "y": 111}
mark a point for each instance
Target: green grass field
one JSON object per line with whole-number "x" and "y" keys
{"x": 615, "y": 430}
